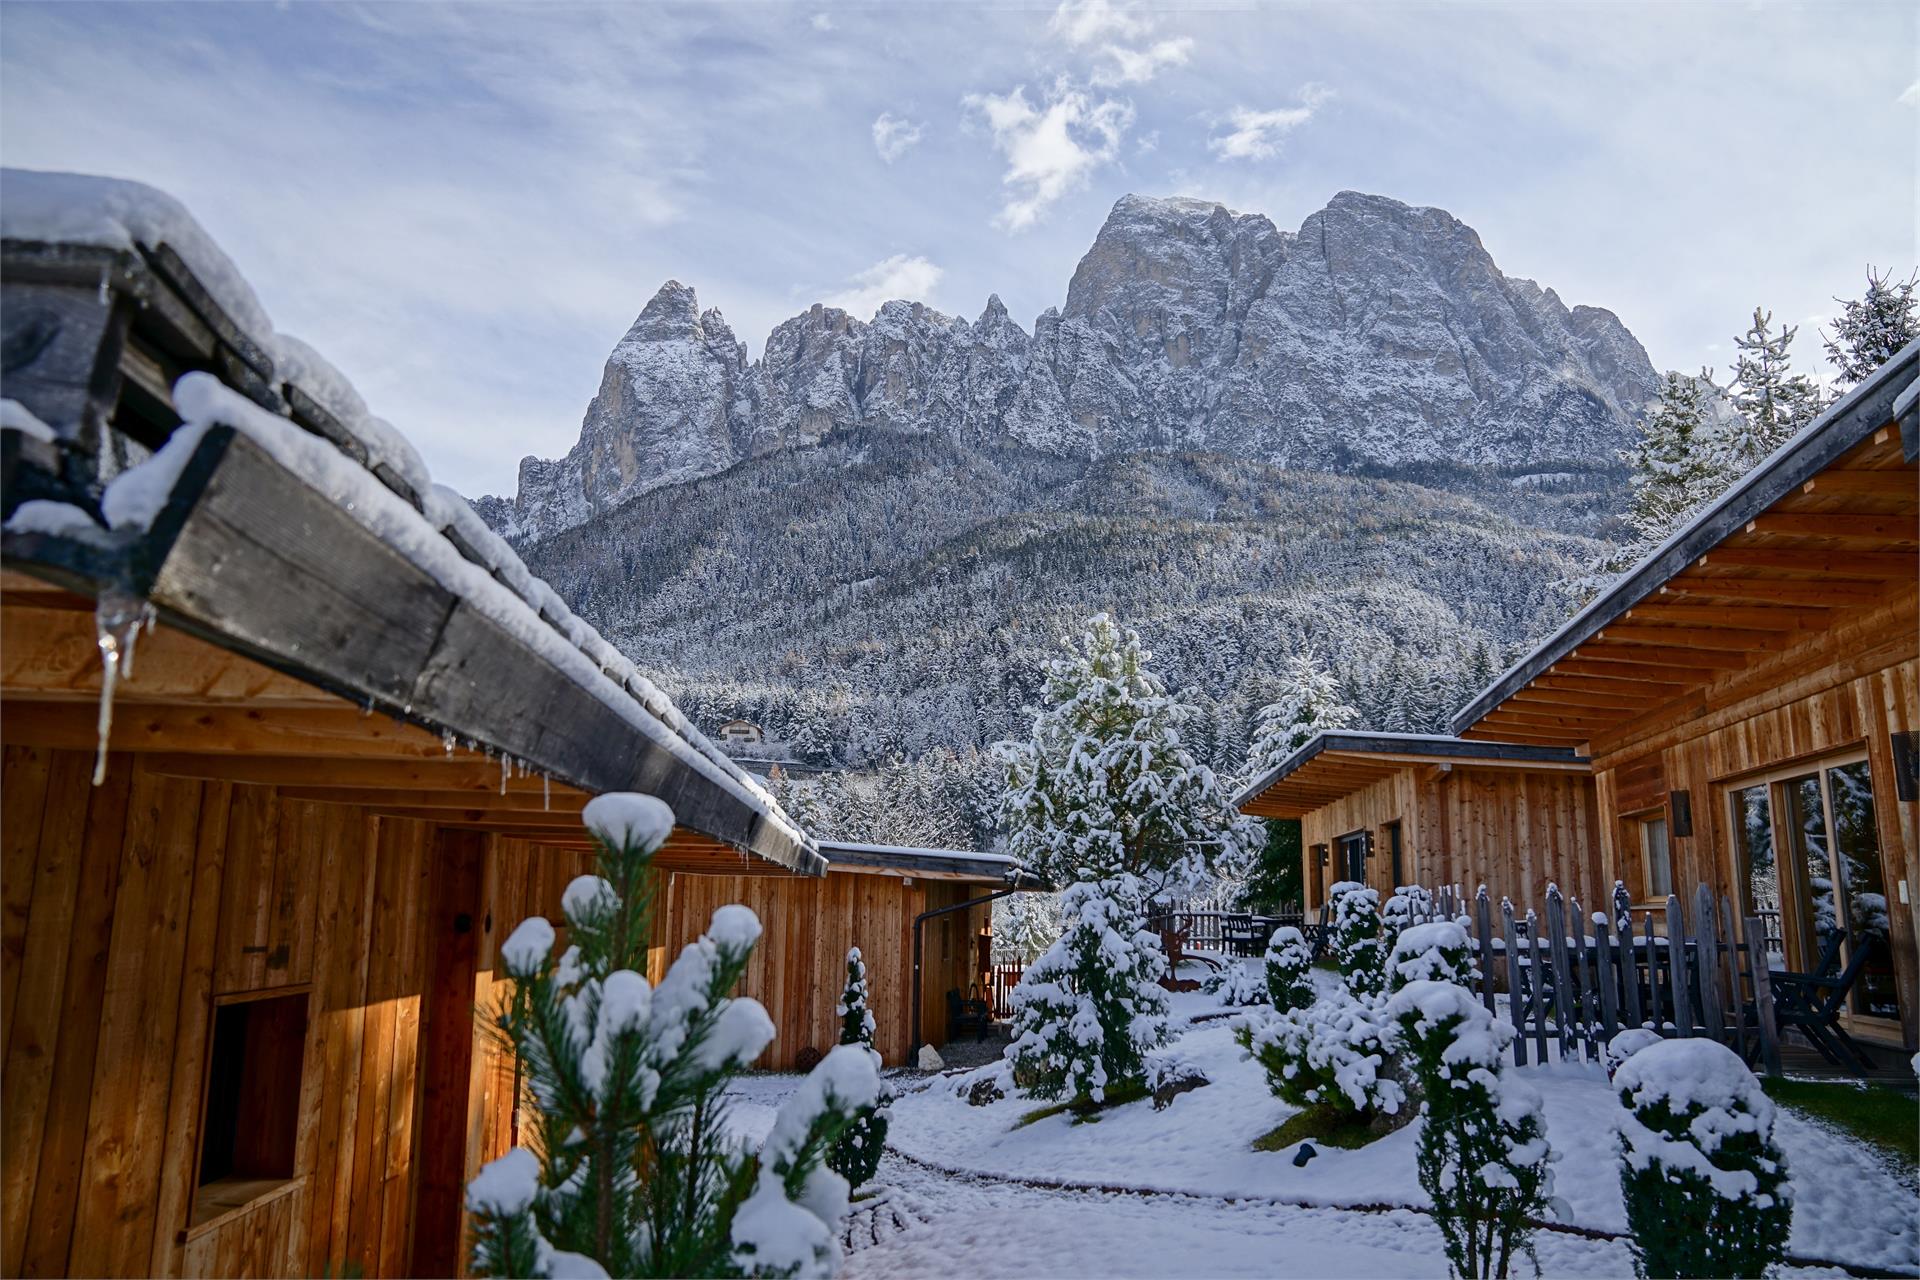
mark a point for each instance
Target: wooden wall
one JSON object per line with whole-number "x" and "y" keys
{"x": 1514, "y": 830}
{"x": 1846, "y": 689}
{"x": 127, "y": 909}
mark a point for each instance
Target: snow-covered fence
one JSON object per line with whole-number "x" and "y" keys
{"x": 1569, "y": 980}
{"x": 1003, "y": 978}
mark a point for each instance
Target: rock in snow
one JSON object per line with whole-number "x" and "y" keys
{"x": 1379, "y": 334}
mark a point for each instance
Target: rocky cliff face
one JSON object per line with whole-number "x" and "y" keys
{"x": 1378, "y": 335}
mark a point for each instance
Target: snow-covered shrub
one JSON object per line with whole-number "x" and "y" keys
{"x": 1236, "y": 986}
{"x": 1171, "y": 1073}
{"x": 856, "y": 1155}
{"x": 1289, "y": 964}
{"x": 1086, "y": 1012}
{"x": 1435, "y": 952}
{"x": 1335, "y": 1053}
{"x": 1483, "y": 1154}
{"x": 1705, "y": 1187}
{"x": 1625, "y": 1045}
{"x": 1410, "y": 904}
{"x": 637, "y": 1176}
{"x": 1357, "y": 948}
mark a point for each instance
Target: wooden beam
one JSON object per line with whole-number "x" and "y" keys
{"x": 1535, "y": 694}
{"x": 1674, "y": 657}
{"x": 55, "y": 652}
{"x": 316, "y": 732}
{"x": 562, "y": 802}
{"x": 1839, "y": 564}
{"x": 1627, "y": 685}
{"x": 1616, "y": 667}
{"x": 1776, "y": 590}
{"x": 1489, "y": 762}
{"x": 1821, "y": 524}
{"x": 1716, "y": 638}
{"x": 1895, "y": 483}
{"x": 463, "y": 773}
{"x": 1750, "y": 617}
{"x": 1507, "y": 713}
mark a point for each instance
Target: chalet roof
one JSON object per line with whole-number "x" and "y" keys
{"x": 1334, "y": 764}
{"x": 950, "y": 864}
{"x": 1823, "y": 529}
{"x": 277, "y": 518}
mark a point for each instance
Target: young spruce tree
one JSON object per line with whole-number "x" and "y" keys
{"x": 856, "y": 1156}
{"x": 631, "y": 1168}
{"x": 1871, "y": 329}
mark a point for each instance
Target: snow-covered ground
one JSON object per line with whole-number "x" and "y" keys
{"x": 974, "y": 1195}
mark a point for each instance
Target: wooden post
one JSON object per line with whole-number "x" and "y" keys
{"x": 1707, "y": 961}
{"x": 446, "y": 1052}
{"x": 1763, "y": 997}
{"x": 1653, "y": 983}
{"x": 1586, "y": 960}
{"x": 1629, "y": 973}
{"x": 1609, "y": 1008}
{"x": 1735, "y": 998}
{"x": 1536, "y": 961}
{"x": 1516, "y": 994}
{"x": 1557, "y": 950}
{"x": 1682, "y": 988}
{"x": 1483, "y": 921}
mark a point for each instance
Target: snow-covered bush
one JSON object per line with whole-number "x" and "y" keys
{"x": 1086, "y": 1012}
{"x": 637, "y": 1175}
{"x": 1356, "y": 942}
{"x": 1409, "y": 904}
{"x": 1705, "y": 1187}
{"x": 1483, "y": 1154}
{"x": 1170, "y": 1073}
{"x": 1335, "y": 1053}
{"x": 1435, "y": 952}
{"x": 1625, "y": 1045}
{"x": 1289, "y": 964}
{"x": 856, "y": 1155}
{"x": 1236, "y": 986}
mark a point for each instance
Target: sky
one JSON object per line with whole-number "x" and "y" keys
{"x": 465, "y": 206}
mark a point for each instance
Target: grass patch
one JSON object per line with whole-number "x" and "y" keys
{"x": 1323, "y": 1125}
{"x": 1887, "y": 1118}
{"x": 1085, "y": 1110}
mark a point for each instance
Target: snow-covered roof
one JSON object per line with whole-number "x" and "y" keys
{"x": 1387, "y": 747}
{"x": 374, "y": 473}
{"x": 911, "y": 860}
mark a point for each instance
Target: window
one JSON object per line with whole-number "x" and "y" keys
{"x": 1351, "y": 856}
{"x": 1397, "y": 851}
{"x": 1656, "y": 859}
{"x": 250, "y": 1112}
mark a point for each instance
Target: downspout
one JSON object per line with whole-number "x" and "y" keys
{"x": 1023, "y": 883}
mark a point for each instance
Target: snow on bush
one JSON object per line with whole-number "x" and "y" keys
{"x": 637, "y": 1174}
{"x": 1410, "y": 904}
{"x": 1335, "y": 1053}
{"x": 1705, "y": 1186}
{"x": 1483, "y": 1154}
{"x": 1357, "y": 948}
{"x": 1625, "y": 1045}
{"x": 1289, "y": 962}
{"x": 1236, "y": 986}
{"x": 1087, "y": 1011}
{"x": 856, "y": 1156}
{"x": 1436, "y": 952}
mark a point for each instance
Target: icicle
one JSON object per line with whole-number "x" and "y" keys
{"x": 503, "y": 773}
{"x": 106, "y": 288}
{"x": 118, "y": 617}
{"x": 546, "y": 792}
{"x": 446, "y": 740}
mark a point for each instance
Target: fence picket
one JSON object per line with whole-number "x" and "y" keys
{"x": 1609, "y": 1008}
{"x": 1707, "y": 961}
{"x": 1763, "y": 997}
{"x": 1585, "y": 959}
{"x": 1653, "y": 982}
{"x": 1516, "y": 995}
{"x": 1557, "y": 955}
{"x": 1736, "y": 997}
{"x": 1682, "y": 988}
{"x": 1629, "y": 969}
{"x": 1537, "y": 1000}
{"x": 1483, "y": 917}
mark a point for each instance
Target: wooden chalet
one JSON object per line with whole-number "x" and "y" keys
{"x": 1389, "y": 809}
{"x": 346, "y": 755}
{"x": 1748, "y": 697}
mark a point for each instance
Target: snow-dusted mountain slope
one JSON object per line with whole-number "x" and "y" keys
{"x": 1377, "y": 336}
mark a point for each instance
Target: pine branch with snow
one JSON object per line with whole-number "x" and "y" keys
{"x": 1773, "y": 402}
{"x": 1437, "y": 951}
{"x": 1309, "y": 703}
{"x": 1289, "y": 968}
{"x": 1336, "y": 1054}
{"x": 856, "y": 1156}
{"x": 1086, "y": 1013}
{"x": 1872, "y": 328}
{"x": 1355, "y": 937}
{"x": 631, "y": 1169}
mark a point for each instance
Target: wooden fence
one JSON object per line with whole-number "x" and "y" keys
{"x": 1002, "y": 979}
{"x": 1571, "y": 980}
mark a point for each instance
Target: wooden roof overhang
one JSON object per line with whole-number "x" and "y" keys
{"x": 924, "y": 864}
{"x": 1334, "y": 765}
{"x": 1825, "y": 530}
{"x": 323, "y": 652}
{"x": 194, "y": 709}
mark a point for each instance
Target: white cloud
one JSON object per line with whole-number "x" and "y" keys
{"x": 1050, "y": 149}
{"x": 1137, "y": 66}
{"x": 1080, "y": 22}
{"x": 1256, "y": 135}
{"x": 894, "y": 138}
{"x": 823, "y": 22}
{"x": 912, "y": 279}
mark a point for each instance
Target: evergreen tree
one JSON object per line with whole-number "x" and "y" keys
{"x": 1086, "y": 1013}
{"x": 1356, "y": 944}
{"x": 856, "y": 1155}
{"x": 1773, "y": 401}
{"x": 632, "y": 1168}
{"x": 1872, "y": 328}
{"x": 1027, "y": 923}
{"x": 1309, "y": 703}
{"x": 1674, "y": 467}
{"x": 1104, "y": 785}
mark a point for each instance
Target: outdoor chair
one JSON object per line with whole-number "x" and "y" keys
{"x": 963, "y": 1014}
{"x": 1810, "y": 1003}
{"x": 1238, "y": 935}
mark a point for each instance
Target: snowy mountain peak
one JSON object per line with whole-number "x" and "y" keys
{"x": 1380, "y": 334}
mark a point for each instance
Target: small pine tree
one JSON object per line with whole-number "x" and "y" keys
{"x": 1871, "y": 329}
{"x": 1027, "y": 923}
{"x": 1438, "y": 951}
{"x": 1409, "y": 905}
{"x": 1335, "y": 1054}
{"x": 1357, "y": 949}
{"x": 633, "y": 1170}
{"x": 1773, "y": 401}
{"x": 1086, "y": 1013}
{"x": 1483, "y": 1154}
{"x": 856, "y": 1155}
{"x": 1289, "y": 968}
{"x": 1675, "y": 470}
{"x": 1705, "y": 1186}
{"x": 1309, "y": 703}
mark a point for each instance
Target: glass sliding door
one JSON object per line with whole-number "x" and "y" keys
{"x": 1856, "y": 845}
{"x": 1808, "y": 843}
{"x": 1759, "y": 869}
